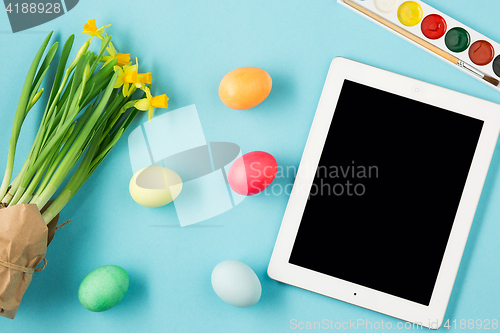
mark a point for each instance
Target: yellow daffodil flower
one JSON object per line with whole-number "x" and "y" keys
{"x": 122, "y": 58}
{"x": 129, "y": 75}
{"x": 127, "y": 69}
{"x": 140, "y": 80}
{"x": 90, "y": 29}
{"x": 150, "y": 102}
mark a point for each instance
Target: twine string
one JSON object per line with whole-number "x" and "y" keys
{"x": 62, "y": 225}
{"x": 27, "y": 270}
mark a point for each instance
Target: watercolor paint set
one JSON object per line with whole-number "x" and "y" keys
{"x": 437, "y": 33}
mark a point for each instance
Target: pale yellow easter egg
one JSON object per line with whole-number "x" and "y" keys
{"x": 155, "y": 186}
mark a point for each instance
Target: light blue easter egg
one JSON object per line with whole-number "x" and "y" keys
{"x": 236, "y": 283}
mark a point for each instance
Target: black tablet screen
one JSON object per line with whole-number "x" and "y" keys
{"x": 386, "y": 192}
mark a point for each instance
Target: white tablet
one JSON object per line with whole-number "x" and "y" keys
{"x": 386, "y": 192}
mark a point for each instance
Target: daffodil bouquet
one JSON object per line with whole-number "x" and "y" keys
{"x": 89, "y": 107}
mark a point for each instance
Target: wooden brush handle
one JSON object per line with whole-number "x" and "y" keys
{"x": 403, "y": 32}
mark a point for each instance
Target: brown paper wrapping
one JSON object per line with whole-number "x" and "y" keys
{"x": 23, "y": 245}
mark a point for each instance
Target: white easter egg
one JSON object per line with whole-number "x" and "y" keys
{"x": 236, "y": 283}
{"x": 155, "y": 186}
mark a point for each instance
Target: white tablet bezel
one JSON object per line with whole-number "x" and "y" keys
{"x": 281, "y": 270}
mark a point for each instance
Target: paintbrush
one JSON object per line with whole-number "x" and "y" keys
{"x": 423, "y": 43}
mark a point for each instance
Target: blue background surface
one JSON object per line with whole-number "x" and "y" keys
{"x": 189, "y": 46}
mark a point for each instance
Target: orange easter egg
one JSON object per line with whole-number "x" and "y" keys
{"x": 245, "y": 87}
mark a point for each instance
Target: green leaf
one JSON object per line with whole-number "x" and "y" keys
{"x": 20, "y": 115}
{"x": 45, "y": 65}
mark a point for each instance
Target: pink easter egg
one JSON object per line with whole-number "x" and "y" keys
{"x": 252, "y": 173}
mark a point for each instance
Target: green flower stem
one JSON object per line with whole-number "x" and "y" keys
{"x": 127, "y": 104}
{"x": 42, "y": 172}
{"x": 118, "y": 133}
{"x": 74, "y": 134}
{"x": 23, "y": 196}
{"x": 107, "y": 148}
{"x": 57, "y": 205}
{"x": 54, "y": 143}
{"x": 67, "y": 73}
{"x": 60, "y": 70}
{"x": 77, "y": 87}
{"x": 40, "y": 137}
{"x": 34, "y": 100}
{"x": 110, "y": 109}
{"x": 43, "y": 70}
{"x": 17, "y": 195}
{"x": 56, "y": 160}
{"x": 84, "y": 118}
{"x": 20, "y": 115}
{"x": 44, "y": 66}
{"x": 77, "y": 148}
{"x": 51, "y": 135}
{"x": 105, "y": 42}
{"x": 76, "y": 128}
{"x": 80, "y": 53}
{"x": 15, "y": 184}
{"x": 67, "y": 193}
{"x": 85, "y": 169}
